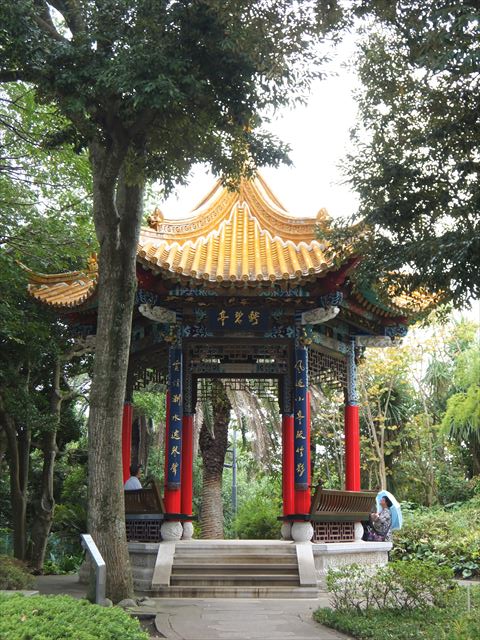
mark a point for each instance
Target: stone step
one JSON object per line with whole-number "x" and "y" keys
{"x": 182, "y": 567}
{"x": 222, "y": 558}
{"x": 252, "y": 580}
{"x": 235, "y": 546}
{"x": 234, "y": 592}
{"x": 211, "y": 553}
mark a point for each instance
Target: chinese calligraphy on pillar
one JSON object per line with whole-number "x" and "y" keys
{"x": 300, "y": 415}
{"x": 174, "y": 443}
{"x": 352, "y": 394}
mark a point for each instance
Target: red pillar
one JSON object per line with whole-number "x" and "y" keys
{"x": 187, "y": 465}
{"x": 352, "y": 448}
{"x": 126, "y": 439}
{"x": 303, "y": 496}
{"x": 172, "y": 497}
{"x": 288, "y": 490}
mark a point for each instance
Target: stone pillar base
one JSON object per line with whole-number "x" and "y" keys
{"x": 286, "y": 531}
{"x": 171, "y": 531}
{"x": 358, "y": 531}
{"x": 187, "y": 531}
{"x": 302, "y": 531}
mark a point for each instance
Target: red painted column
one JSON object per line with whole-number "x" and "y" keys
{"x": 352, "y": 425}
{"x": 352, "y": 448}
{"x": 126, "y": 439}
{"x": 172, "y": 497}
{"x": 187, "y": 465}
{"x": 288, "y": 489}
{"x": 303, "y": 496}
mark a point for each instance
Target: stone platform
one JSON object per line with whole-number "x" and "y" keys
{"x": 244, "y": 568}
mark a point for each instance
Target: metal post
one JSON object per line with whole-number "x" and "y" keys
{"x": 100, "y": 567}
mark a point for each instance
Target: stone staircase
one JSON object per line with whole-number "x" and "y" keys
{"x": 224, "y": 569}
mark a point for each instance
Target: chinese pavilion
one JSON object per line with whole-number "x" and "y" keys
{"x": 240, "y": 290}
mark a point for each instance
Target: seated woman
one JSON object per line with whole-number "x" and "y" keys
{"x": 380, "y": 527}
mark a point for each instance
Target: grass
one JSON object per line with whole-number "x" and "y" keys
{"x": 450, "y": 623}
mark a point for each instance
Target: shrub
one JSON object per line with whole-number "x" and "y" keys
{"x": 257, "y": 519}
{"x": 398, "y": 585}
{"x": 14, "y": 575}
{"x": 433, "y": 623}
{"x": 64, "y": 618}
{"x": 448, "y": 537}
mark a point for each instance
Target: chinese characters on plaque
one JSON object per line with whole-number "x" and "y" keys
{"x": 238, "y": 318}
{"x": 300, "y": 418}
{"x": 174, "y": 442}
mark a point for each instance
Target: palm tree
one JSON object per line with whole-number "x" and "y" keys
{"x": 258, "y": 415}
{"x": 213, "y": 440}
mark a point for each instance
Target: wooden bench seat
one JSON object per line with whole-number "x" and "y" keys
{"x": 329, "y": 505}
{"x": 333, "y": 513}
{"x": 144, "y": 513}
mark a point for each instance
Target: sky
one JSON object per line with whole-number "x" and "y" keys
{"x": 318, "y": 134}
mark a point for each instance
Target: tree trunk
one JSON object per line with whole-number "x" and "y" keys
{"x": 45, "y": 507}
{"x": 475, "y": 450}
{"x": 213, "y": 447}
{"x": 18, "y": 438}
{"x": 117, "y": 214}
{"x": 212, "y": 506}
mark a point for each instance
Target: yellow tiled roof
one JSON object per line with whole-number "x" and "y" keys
{"x": 235, "y": 236}
{"x": 232, "y": 236}
{"x": 62, "y": 289}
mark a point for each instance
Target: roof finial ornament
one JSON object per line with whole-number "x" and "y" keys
{"x": 92, "y": 263}
{"x": 322, "y": 216}
{"x": 155, "y": 219}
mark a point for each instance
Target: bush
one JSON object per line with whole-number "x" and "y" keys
{"x": 14, "y": 575}
{"x": 448, "y": 537}
{"x": 64, "y": 618}
{"x": 449, "y": 623}
{"x": 257, "y": 519}
{"x": 398, "y": 585}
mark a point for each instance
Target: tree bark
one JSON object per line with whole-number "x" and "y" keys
{"x": 19, "y": 440}
{"x": 44, "y": 509}
{"x": 117, "y": 214}
{"x": 212, "y": 506}
{"x": 213, "y": 447}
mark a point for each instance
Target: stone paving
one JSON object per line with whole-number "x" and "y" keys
{"x": 215, "y": 618}
{"x": 240, "y": 619}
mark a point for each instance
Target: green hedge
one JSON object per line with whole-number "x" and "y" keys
{"x": 402, "y": 601}
{"x": 14, "y": 575}
{"x": 64, "y": 618}
{"x": 452, "y": 623}
{"x": 447, "y": 536}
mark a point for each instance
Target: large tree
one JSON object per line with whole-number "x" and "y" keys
{"x": 43, "y": 220}
{"x": 150, "y": 87}
{"x": 416, "y": 162}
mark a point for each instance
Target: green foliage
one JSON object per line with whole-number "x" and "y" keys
{"x": 257, "y": 518}
{"x": 398, "y": 585}
{"x": 448, "y": 537}
{"x": 150, "y": 404}
{"x": 434, "y": 623}
{"x": 114, "y": 76}
{"x": 14, "y": 575}
{"x": 64, "y": 564}
{"x": 415, "y": 166}
{"x": 64, "y": 618}
{"x": 462, "y": 417}
{"x": 454, "y": 488}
